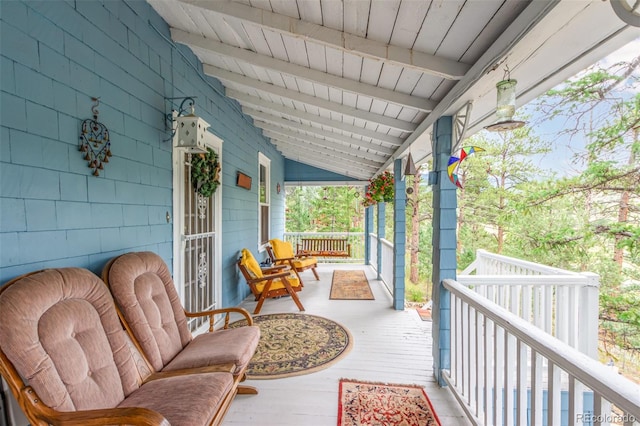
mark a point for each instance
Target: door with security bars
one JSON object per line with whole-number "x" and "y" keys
{"x": 197, "y": 239}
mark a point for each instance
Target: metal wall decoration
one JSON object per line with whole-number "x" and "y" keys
{"x": 94, "y": 141}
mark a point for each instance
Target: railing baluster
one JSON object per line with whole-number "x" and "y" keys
{"x": 482, "y": 365}
{"x": 522, "y": 384}
{"x": 463, "y": 347}
{"x": 498, "y": 370}
{"x": 553, "y": 394}
{"x": 597, "y": 406}
{"x": 509, "y": 362}
{"x": 488, "y": 375}
{"x": 573, "y": 403}
{"x": 548, "y": 310}
{"x": 471, "y": 345}
{"x": 536, "y": 389}
{"x": 457, "y": 342}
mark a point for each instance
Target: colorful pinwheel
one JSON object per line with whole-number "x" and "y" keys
{"x": 454, "y": 163}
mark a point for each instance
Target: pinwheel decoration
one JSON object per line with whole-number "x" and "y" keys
{"x": 455, "y": 161}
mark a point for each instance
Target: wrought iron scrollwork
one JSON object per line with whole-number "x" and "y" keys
{"x": 94, "y": 141}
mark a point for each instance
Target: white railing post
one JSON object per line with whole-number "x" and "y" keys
{"x": 588, "y": 316}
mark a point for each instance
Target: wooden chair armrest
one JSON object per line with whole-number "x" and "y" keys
{"x": 285, "y": 273}
{"x": 271, "y": 276}
{"x": 220, "y": 368}
{"x": 220, "y": 311}
{"x": 107, "y": 416}
{"x": 274, "y": 268}
{"x": 280, "y": 259}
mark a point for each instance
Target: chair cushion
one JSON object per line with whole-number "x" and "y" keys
{"x": 60, "y": 330}
{"x": 143, "y": 288}
{"x": 282, "y": 249}
{"x": 307, "y": 262}
{"x": 277, "y": 283}
{"x": 236, "y": 345}
{"x": 250, "y": 262}
{"x": 191, "y": 399}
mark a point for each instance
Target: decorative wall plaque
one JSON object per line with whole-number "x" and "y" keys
{"x": 94, "y": 141}
{"x": 243, "y": 181}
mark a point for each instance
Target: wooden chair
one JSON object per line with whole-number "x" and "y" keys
{"x": 281, "y": 253}
{"x": 66, "y": 358}
{"x": 150, "y": 309}
{"x": 269, "y": 282}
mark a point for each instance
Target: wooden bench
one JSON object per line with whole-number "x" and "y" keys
{"x": 324, "y": 247}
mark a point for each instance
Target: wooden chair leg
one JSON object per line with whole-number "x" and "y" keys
{"x": 315, "y": 273}
{"x": 295, "y": 271}
{"x": 263, "y": 296}
{"x": 292, "y": 293}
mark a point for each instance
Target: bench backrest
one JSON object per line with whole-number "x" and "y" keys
{"x": 60, "y": 333}
{"x": 325, "y": 246}
{"x": 145, "y": 293}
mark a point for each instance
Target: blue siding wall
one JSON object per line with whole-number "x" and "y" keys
{"x": 55, "y": 56}
{"x": 298, "y": 172}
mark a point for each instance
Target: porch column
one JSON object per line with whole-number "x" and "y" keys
{"x": 380, "y": 231}
{"x": 399, "y": 235}
{"x": 444, "y": 246}
{"x": 368, "y": 228}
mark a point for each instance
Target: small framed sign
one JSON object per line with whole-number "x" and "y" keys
{"x": 243, "y": 181}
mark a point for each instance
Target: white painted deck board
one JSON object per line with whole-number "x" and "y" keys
{"x": 389, "y": 346}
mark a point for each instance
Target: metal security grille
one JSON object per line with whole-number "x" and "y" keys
{"x": 198, "y": 240}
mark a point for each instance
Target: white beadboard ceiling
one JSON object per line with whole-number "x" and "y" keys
{"x": 350, "y": 85}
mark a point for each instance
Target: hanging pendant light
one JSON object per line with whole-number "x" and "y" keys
{"x": 505, "y": 105}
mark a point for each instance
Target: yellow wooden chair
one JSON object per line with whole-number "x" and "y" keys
{"x": 269, "y": 282}
{"x": 281, "y": 253}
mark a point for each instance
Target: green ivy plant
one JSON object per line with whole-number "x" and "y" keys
{"x": 205, "y": 173}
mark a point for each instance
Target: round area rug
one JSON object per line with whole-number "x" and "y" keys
{"x": 295, "y": 344}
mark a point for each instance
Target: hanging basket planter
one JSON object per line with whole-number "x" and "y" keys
{"x": 205, "y": 173}
{"x": 380, "y": 189}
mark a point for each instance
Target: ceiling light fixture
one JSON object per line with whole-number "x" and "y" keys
{"x": 188, "y": 130}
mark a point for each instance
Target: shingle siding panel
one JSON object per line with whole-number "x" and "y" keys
{"x": 68, "y": 52}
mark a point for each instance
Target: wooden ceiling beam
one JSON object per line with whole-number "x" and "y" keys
{"x": 298, "y": 71}
{"x": 294, "y": 125}
{"x": 383, "y": 120}
{"x": 269, "y": 129}
{"x": 271, "y": 107}
{"x": 323, "y": 162}
{"x": 345, "y": 42}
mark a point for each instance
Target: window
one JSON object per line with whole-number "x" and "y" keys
{"x": 264, "y": 199}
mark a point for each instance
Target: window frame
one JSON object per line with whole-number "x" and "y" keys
{"x": 264, "y": 161}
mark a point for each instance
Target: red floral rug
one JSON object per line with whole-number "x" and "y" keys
{"x": 382, "y": 404}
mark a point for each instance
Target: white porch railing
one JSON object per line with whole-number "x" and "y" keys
{"x": 560, "y": 302}
{"x": 506, "y": 371}
{"x": 373, "y": 252}
{"x": 386, "y": 271}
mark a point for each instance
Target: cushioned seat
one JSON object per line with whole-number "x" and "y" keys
{"x": 281, "y": 253}
{"x": 61, "y": 333}
{"x": 236, "y": 345}
{"x": 150, "y": 308}
{"x": 183, "y": 400}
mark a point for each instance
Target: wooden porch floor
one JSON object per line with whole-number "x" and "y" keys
{"x": 389, "y": 346}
